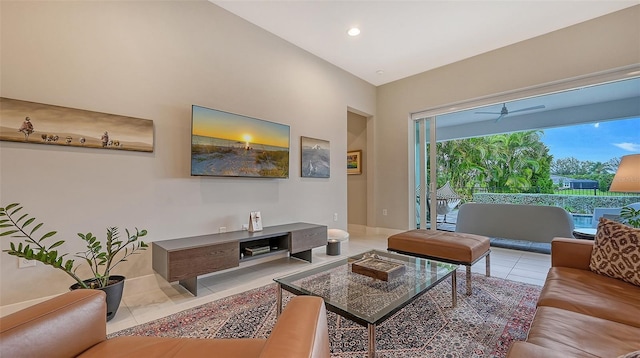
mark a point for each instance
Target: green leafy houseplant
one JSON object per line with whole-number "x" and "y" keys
{"x": 101, "y": 258}
{"x": 630, "y": 216}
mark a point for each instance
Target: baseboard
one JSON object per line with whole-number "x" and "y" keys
{"x": 383, "y": 231}
{"x": 357, "y": 229}
{"x": 370, "y": 230}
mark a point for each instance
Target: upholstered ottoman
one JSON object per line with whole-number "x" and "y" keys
{"x": 452, "y": 247}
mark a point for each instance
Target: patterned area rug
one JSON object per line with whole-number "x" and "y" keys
{"x": 482, "y": 325}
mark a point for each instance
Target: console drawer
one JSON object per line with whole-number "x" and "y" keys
{"x": 189, "y": 263}
{"x": 307, "y": 239}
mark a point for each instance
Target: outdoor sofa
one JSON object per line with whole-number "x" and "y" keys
{"x": 583, "y": 309}
{"x": 74, "y": 325}
{"x": 514, "y": 226}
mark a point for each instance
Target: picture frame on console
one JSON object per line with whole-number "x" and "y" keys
{"x": 255, "y": 221}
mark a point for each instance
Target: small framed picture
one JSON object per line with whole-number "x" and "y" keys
{"x": 255, "y": 221}
{"x": 314, "y": 158}
{"x": 354, "y": 162}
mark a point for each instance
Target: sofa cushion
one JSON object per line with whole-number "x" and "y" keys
{"x": 576, "y": 334}
{"x": 592, "y": 294}
{"x": 522, "y": 349}
{"x": 617, "y": 251}
{"x": 635, "y": 354}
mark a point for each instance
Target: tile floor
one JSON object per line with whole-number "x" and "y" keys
{"x": 150, "y": 298}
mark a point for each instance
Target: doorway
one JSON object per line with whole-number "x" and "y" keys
{"x": 357, "y": 183}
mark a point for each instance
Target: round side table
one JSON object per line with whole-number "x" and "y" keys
{"x": 335, "y": 236}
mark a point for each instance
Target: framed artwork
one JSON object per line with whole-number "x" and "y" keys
{"x": 314, "y": 158}
{"x": 255, "y": 221}
{"x": 38, "y": 123}
{"x": 226, "y": 144}
{"x": 354, "y": 162}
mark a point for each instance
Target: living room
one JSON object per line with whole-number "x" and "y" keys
{"x": 154, "y": 60}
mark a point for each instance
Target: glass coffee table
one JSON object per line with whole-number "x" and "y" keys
{"x": 363, "y": 299}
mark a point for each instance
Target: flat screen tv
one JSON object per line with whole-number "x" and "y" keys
{"x": 231, "y": 145}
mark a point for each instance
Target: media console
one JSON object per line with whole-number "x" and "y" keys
{"x": 184, "y": 259}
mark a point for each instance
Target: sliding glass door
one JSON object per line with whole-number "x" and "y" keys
{"x": 425, "y": 173}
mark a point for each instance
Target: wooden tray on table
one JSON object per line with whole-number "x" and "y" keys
{"x": 378, "y": 268}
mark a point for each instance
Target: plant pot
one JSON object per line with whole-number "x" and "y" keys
{"x": 113, "y": 291}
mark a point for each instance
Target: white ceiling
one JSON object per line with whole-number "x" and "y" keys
{"x": 403, "y": 38}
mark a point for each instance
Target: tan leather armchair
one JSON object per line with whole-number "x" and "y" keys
{"x": 74, "y": 325}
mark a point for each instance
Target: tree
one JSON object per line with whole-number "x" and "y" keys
{"x": 613, "y": 164}
{"x": 602, "y": 172}
{"x": 517, "y": 162}
{"x": 566, "y": 166}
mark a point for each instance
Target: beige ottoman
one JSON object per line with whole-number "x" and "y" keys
{"x": 451, "y": 247}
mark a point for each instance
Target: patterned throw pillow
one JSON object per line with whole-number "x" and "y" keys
{"x": 616, "y": 252}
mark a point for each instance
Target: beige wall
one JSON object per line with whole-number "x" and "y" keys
{"x": 601, "y": 44}
{"x": 357, "y": 184}
{"x": 153, "y": 60}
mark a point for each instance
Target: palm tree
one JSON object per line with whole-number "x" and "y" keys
{"x": 500, "y": 161}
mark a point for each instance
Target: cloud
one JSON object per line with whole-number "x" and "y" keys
{"x": 596, "y": 125}
{"x": 629, "y": 147}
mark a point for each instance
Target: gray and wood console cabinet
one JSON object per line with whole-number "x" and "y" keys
{"x": 185, "y": 259}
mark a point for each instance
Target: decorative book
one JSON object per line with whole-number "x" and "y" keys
{"x": 257, "y": 250}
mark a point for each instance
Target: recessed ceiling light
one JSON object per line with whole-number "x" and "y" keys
{"x": 354, "y": 31}
{"x": 380, "y": 72}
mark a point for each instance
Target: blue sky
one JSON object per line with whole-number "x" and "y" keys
{"x": 597, "y": 142}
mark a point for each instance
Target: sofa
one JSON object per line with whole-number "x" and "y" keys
{"x": 582, "y": 313}
{"x": 513, "y": 226}
{"x": 74, "y": 325}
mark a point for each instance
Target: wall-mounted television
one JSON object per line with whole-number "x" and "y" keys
{"x": 225, "y": 144}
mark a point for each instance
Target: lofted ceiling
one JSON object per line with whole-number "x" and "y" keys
{"x": 403, "y": 38}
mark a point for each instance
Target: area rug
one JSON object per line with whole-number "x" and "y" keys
{"x": 482, "y": 325}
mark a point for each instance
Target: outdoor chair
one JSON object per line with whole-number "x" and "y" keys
{"x": 609, "y": 213}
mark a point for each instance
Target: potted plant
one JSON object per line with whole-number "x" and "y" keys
{"x": 101, "y": 258}
{"x": 630, "y": 216}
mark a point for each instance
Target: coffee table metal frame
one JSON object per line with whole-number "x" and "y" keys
{"x": 427, "y": 274}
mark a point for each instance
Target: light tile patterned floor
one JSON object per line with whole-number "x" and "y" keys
{"x": 148, "y": 299}
{"x": 151, "y": 297}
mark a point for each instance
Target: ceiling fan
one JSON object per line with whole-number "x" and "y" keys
{"x": 504, "y": 112}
